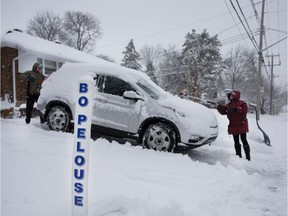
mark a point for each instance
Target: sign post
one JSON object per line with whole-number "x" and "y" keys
{"x": 82, "y": 132}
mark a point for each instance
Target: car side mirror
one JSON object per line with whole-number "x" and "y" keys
{"x": 131, "y": 95}
{"x": 253, "y": 105}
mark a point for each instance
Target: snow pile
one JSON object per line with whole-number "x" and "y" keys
{"x": 5, "y": 104}
{"x": 131, "y": 181}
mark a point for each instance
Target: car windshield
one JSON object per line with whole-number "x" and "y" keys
{"x": 151, "y": 89}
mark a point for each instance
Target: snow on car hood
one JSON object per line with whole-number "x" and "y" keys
{"x": 197, "y": 118}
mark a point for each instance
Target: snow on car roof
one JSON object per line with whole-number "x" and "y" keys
{"x": 64, "y": 81}
{"x": 75, "y": 70}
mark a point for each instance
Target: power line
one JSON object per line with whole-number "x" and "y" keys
{"x": 237, "y": 38}
{"x": 164, "y": 31}
{"x": 268, "y": 18}
{"x": 275, "y": 43}
{"x": 277, "y": 30}
{"x": 236, "y": 24}
{"x": 278, "y": 11}
{"x": 247, "y": 23}
{"x": 225, "y": 41}
{"x": 171, "y": 29}
{"x": 255, "y": 11}
{"x": 228, "y": 28}
{"x": 235, "y": 21}
{"x": 265, "y": 35}
{"x": 251, "y": 38}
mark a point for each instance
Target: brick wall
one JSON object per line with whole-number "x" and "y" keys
{"x": 7, "y": 56}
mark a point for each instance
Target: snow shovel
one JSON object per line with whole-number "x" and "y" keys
{"x": 266, "y": 138}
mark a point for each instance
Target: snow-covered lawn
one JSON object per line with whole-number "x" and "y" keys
{"x": 36, "y": 174}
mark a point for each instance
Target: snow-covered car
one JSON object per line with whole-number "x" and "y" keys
{"x": 128, "y": 105}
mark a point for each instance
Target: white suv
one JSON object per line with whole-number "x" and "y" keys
{"x": 127, "y": 106}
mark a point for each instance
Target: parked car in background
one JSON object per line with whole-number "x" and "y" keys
{"x": 127, "y": 105}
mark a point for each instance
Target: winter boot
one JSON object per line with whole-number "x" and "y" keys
{"x": 247, "y": 152}
{"x": 238, "y": 150}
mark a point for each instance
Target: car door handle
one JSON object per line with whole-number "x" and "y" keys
{"x": 101, "y": 100}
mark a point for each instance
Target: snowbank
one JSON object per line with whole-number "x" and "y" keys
{"x": 132, "y": 181}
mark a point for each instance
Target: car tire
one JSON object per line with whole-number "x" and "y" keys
{"x": 58, "y": 119}
{"x": 160, "y": 137}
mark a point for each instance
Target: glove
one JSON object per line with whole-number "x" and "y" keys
{"x": 232, "y": 109}
{"x": 219, "y": 107}
{"x": 31, "y": 79}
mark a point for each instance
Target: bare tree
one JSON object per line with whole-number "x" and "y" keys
{"x": 236, "y": 67}
{"x": 280, "y": 99}
{"x": 150, "y": 57}
{"x": 46, "y": 25}
{"x": 248, "y": 82}
{"x": 172, "y": 73}
{"x": 106, "y": 57}
{"x": 81, "y": 30}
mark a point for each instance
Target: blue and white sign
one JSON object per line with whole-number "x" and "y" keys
{"x": 82, "y": 132}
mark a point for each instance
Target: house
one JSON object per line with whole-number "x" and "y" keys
{"x": 19, "y": 51}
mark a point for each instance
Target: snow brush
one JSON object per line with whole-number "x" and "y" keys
{"x": 266, "y": 137}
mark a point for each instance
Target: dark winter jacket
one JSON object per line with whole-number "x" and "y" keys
{"x": 236, "y": 111}
{"x": 34, "y": 80}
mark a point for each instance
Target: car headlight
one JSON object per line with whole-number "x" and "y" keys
{"x": 195, "y": 139}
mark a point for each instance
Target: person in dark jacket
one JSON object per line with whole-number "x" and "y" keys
{"x": 236, "y": 111}
{"x": 34, "y": 81}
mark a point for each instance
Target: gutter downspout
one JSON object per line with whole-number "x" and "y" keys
{"x": 14, "y": 76}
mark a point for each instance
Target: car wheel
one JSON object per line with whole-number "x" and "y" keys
{"x": 160, "y": 137}
{"x": 58, "y": 119}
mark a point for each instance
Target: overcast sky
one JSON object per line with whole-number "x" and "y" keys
{"x": 164, "y": 22}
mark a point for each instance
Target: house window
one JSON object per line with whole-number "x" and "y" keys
{"x": 40, "y": 61}
{"x": 49, "y": 66}
{"x": 59, "y": 65}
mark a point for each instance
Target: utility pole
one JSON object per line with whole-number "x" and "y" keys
{"x": 260, "y": 89}
{"x": 271, "y": 84}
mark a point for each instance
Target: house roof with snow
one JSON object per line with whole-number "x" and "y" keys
{"x": 40, "y": 47}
